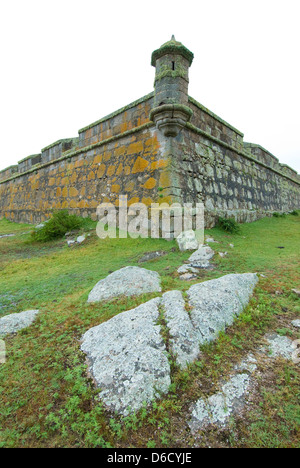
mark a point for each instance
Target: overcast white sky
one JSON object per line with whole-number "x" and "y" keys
{"x": 67, "y": 63}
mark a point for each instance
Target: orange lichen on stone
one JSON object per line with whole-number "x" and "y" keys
{"x": 65, "y": 192}
{"x": 79, "y": 163}
{"x": 73, "y": 204}
{"x": 161, "y": 163}
{"x": 150, "y": 183}
{"x": 140, "y": 165}
{"x": 120, "y": 151}
{"x": 107, "y": 155}
{"x": 129, "y": 187}
{"x": 91, "y": 175}
{"x": 83, "y": 204}
{"x": 101, "y": 171}
{"x": 98, "y": 159}
{"x": 147, "y": 201}
{"x": 73, "y": 192}
{"x": 111, "y": 170}
{"x": 73, "y": 178}
{"x": 120, "y": 169}
{"x": 133, "y": 200}
{"x": 164, "y": 180}
{"x": 115, "y": 188}
{"x": 135, "y": 148}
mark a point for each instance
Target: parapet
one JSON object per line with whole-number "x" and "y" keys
{"x": 263, "y": 155}
{"x": 49, "y": 153}
{"x": 27, "y": 163}
{"x": 55, "y": 150}
{"x": 8, "y": 172}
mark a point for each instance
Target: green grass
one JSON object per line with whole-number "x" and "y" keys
{"x": 47, "y": 400}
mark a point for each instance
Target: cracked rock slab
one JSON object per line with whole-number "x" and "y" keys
{"x": 128, "y": 281}
{"x": 14, "y": 322}
{"x": 216, "y": 303}
{"x": 128, "y": 359}
{"x": 128, "y": 356}
{"x": 184, "y": 340}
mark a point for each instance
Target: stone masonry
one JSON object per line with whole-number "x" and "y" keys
{"x": 164, "y": 147}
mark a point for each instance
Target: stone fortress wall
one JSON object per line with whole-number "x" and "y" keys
{"x": 164, "y": 147}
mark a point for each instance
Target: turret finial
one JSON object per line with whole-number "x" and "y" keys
{"x": 173, "y": 38}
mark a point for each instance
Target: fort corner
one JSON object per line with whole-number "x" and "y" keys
{"x": 164, "y": 147}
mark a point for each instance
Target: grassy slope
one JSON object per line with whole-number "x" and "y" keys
{"x": 46, "y": 398}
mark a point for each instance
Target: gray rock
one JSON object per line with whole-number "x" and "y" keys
{"x": 249, "y": 364}
{"x": 127, "y": 355}
{"x": 127, "y": 358}
{"x": 211, "y": 240}
{"x": 187, "y": 241}
{"x": 216, "y": 303}
{"x": 279, "y": 346}
{"x": 296, "y": 291}
{"x": 80, "y": 239}
{"x": 129, "y": 281}
{"x": 184, "y": 340}
{"x": 187, "y": 277}
{"x": 151, "y": 255}
{"x": 223, "y": 254}
{"x": 186, "y": 269}
{"x": 2, "y": 352}
{"x": 218, "y": 408}
{"x": 296, "y": 323}
{"x": 7, "y": 235}
{"x": 15, "y": 322}
{"x": 200, "y": 258}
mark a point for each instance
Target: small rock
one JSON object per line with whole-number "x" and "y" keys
{"x": 249, "y": 364}
{"x": 200, "y": 258}
{"x": 151, "y": 255}
{"x": 187, "y": 277}
{"x": 2, "y": 352}
{"x": 7, "y": 235}
{"x": 223, "y": 254}
{"x": 186, "y": 269}
{"x": 296, "y": 323}
{"x": 80, "y": 239}
{"x": 187, "y": 241}
{"x": 211, "y": 240}
{"x": 279, "y": 346}
{"x": 296, "y": 291}
{"x": 15, "y": 322}
{"x": 128, "y": 281}
{"x": 231, "y": 245}
{"x": 70, "y": 242}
